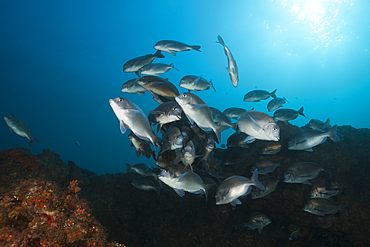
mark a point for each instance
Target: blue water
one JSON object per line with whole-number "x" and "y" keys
{"x": 62, "y": 61}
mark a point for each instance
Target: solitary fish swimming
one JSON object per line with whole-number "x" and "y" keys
{"x": 233, "y": 68}
{"x": 20, "y": 127}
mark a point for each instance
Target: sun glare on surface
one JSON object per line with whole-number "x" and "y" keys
{"x": 322, "y": 19}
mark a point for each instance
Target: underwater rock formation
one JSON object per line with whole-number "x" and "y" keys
{"x": 143, "y": 218}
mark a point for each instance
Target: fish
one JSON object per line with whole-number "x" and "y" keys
{"x": 294, "y": 236}
{"x": 172, "y": 46}
{"x": 198, "y": 112}
{"x": 237, "y": 140}
{"x": 158, "y": 86}
{"x": 318, "y": 125}
{"x": 232, "y": 67}
{"x": 301, "y": 172}
{"x": 188, "y": 181}
{"x": 270, "y": 148}
{"x": 307, "y": 139}
{"x": 342, "y": 180}
{"x": 140, "y": 168}
{"x": 147, "y": 184}
{"x": 131, "y": 86}
{"x": 258, "y": 125}
{"x": 165, "y": 113}
{"x": 172, "y": 139}
{"x": 276, "y": 103}
{"x": 221, "y": 119}
{"x": 156, "y": 68}
{"x": 286, "y": 115}
{"x": 235, "y": 186}
{"x": 265, "y": 166}
{"x": 20, "y": 127}
{"x": 195, "y": 83}
{"x": 135, "y": 64}
{"x": 258, "y": 95}
{"x": 78, "y": 144}
{"x": 234, "y": 112}
{"x": 321, "y": 207}
{"x": 258, "y": 221}
{"x": 320, "y": 192}
{"x": 141, "y": 146}
{"x": 208, "y": 148}
{"x": 270, "y": 184}
{"x": 187, "y": 156}
{"x": 132, "y": 117}
{"x": 165, "y": 159}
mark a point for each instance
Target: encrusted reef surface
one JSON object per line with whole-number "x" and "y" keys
{"x": 143, "y": 218}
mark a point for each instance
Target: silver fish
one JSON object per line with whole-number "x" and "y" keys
{"x": 307, "y": 139}
{"x": 221, "y": 119}
{"x": 285, "y": 115}
{"x": 172, "y": 46}
{"x": 258, "y": 125}
{"x": 156, "y": 68}
{"x": 167, "y": 112}
{"x": 147, "y": 184}
{"x": 322, "y": 207}
{"x": 322, "y": 193}
{"x": 140, "y": 168}
{"x": 187, "y": 156}
{"x": 158, "y": 86}
{"x": 232, "y": 67}
{"x": 131, "y": 86}
{"x": 137, "y": 63}
{"x": 276, "y": 103}
{"x": 318, "y": 125}
{"x": 141, "y": 146}
{"x": 258, "y": 221}
{"x": 301, "y": 172}
{"x": 234, "y": 112}
{"x": 20, "y": 127}
{"x": 132, "y": 117}
{"x": 257, "y": 95}
{"x": 197, "y": 111}
{"x": 235, "y": 186}
{"x": 188, "y": 181}
{"x": 195, "y": 83}
{"x": 172, "y": 139}
{"x": 265, "y": 166}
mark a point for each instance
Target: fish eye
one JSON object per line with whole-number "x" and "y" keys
{"x": 119, "y": 99}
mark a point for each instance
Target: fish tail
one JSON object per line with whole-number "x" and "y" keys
{"x": 220, "y": 40}
{"x": 273, "y": 94}
{"x": 255, "y": 181}
{"x": 343, "y": 207}
{"x": 325, "y": 166}
{"x": 32, "y": 140}
{"x": 128, "y": 167}
{"x": 300, "y": 111}
{"x": 218, "y": 129}
{"x": 173, "y": 67}
{"x": 196, "y": 48}
{"x": 332, "y": 134}
{"x": 234, "y": 126}
{"x": 210, "y": 82}
{"x": 158, "y": 54}
{"x": 208, "y": 182}
{"x": 327, "y": 123}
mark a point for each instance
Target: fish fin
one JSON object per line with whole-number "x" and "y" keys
{"x": 157, "y": 190}
{"x": 309, "y": 150}
{"x": 332, "y": 133}
{"x": 273, "y": 94}
{"x": 137, "y": 153}
{"x": 11, "y": 130}
{"x": 159, "y": 126}
{"x": 249, "y": 139}
{"x": 178, "y": 156}
{"x": 229, "y": 70}
{"x": 158, "y": 54}
{"x": 343, "y": 207}
{"x": 234, "y": 126}
{"x": 196, "y": 48}
{"x": 300, "y": 111}
{"x": 138, "y": 73}
{"x": 210, "y": 82}
{"x": 235, "y": 202}
{"x": 260, "y": 229}
{"x": 34, "y": 140}
{"x": 306, "y": 182}
{"x": 123, "y": 127}
{"x": 220, "y": 40}
{"x": 327, "y": 122}
{"x": 156, "y": 112}
{"x": 141, "y": 93}
{"x": 198, "y": 106}
{"x": 255, "y": 181}
{"x": 173, "y": 53}
{"x": 180, "y": 192}
{"x": 129, "y": 167}
{"x": 190, "y": 119}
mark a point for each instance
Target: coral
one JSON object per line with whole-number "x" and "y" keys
{"x": 38, "y": 213}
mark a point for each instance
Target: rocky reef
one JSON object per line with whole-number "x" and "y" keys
{"x": 42, "y": 204}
